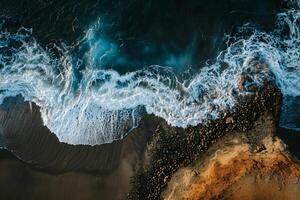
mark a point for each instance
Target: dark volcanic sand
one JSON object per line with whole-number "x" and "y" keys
{"x": 58, "y": 170}
{"x": 20, "y": 181}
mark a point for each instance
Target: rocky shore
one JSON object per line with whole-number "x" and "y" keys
{"x": 242, "y": 165}
{"x": 174, "y": 148}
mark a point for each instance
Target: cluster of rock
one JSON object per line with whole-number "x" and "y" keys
{"x": 173, "y": 148}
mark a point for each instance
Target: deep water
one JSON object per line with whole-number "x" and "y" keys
{"x": 174, "y": 33}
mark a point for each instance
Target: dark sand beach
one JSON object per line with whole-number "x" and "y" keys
{"x": 46, "y": 167}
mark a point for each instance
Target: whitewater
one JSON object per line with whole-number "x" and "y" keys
{"x": 95, "y": 105}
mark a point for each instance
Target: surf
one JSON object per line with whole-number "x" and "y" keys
{"x": 94, "y": 105}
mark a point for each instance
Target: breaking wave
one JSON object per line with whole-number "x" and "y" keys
{"x": 92, "y": 105}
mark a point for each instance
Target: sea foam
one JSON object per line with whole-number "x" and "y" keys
{"x": 101, "y": 106}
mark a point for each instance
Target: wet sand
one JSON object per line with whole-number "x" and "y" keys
{"x": 20, "y": 181}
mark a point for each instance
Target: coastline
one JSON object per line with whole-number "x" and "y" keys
{"x": 34, "y": 154}
{"x": 146, "y": 160}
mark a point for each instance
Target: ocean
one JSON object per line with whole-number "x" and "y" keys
{"x": 96, "y": 68}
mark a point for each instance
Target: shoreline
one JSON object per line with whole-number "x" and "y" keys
{"x": 41, "y": 148}
{"x": 154, "y": 151}
{"x": 289, "y": 137}
{"x": 35, "y": 154}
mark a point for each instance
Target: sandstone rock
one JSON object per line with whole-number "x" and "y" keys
{"x": 231, "y": 170}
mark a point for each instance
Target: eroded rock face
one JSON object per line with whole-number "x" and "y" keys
{"x": 173, "y": 149}
{"x": 244, "y": 165}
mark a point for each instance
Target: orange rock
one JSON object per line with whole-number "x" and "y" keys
{"x": 234, "y": 169}
{"x": 253, "y": 88}
{"x": 241, "y": 82}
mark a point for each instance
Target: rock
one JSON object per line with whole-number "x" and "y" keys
{"x": 253, "y": 88}
{"x": 230, "y": 170}
{"x": 229, "y": 120}
{"x": 260, "y": 148}
{"x": 241, "y": 82}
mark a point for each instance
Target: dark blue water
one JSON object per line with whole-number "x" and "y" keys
{"x": 141, "y": 33}
{"x": 99, "y": 66}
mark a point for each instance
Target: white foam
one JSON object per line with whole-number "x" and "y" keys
{"x": 104, "y": 105}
